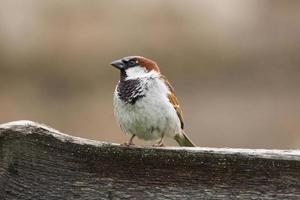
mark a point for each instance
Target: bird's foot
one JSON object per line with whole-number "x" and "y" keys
{"x": 128, "y": 144}
{"x": 159, "y": 144}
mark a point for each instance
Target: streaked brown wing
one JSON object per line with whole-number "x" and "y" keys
{"x": 173, "y": 100}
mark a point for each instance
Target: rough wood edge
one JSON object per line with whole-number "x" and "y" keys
{"x": 28, "y": 127}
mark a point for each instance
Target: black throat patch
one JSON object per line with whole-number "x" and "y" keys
{"x": 131, "y": 90}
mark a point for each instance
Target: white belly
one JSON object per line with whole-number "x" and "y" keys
{"x": 150, "y": 118}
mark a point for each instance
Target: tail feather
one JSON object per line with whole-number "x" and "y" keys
{"x": 183, "y": 140}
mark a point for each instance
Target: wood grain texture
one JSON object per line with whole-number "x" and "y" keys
{"x": 37, "y": 162}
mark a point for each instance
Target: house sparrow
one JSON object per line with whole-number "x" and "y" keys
{"x": 145, "y": 104}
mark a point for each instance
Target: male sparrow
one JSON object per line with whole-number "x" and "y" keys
{"x": 145, "y": 104}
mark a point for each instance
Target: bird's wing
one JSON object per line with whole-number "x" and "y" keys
{"x": 173, "y": 100}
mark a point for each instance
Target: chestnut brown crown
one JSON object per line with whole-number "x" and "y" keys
{"x": 134, "y": 61}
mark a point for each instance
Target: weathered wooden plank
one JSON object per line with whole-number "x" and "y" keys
{"x": 37, "y": 162}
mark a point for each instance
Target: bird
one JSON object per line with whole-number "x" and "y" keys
{"x": 145, "y": 105}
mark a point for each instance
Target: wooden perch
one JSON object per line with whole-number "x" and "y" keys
{"x": 38, "y": 162}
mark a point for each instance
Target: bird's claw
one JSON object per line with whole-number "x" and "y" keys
{"x": 160, "y": 144}
{"x": 128, "y": 144}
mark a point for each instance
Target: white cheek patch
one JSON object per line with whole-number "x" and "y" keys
{"x": 135, "y": 72}
{"x": 140, "y": 72}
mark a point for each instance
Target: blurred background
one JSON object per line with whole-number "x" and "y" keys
{"x": 235, "y": 65}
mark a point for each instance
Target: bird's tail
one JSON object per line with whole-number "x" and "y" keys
{"x": 183, "y": 140}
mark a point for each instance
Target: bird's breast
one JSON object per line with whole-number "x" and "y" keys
{"x": 149, "y": 116}
{"x": 130, "y": 91}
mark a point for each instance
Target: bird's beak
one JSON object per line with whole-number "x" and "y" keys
{"x": 118, "y": 64}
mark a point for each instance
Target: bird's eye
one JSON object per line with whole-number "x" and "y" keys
{"x": 132, "y": 62}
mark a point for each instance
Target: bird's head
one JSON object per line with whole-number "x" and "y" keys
{"x": 135, "y": 66}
